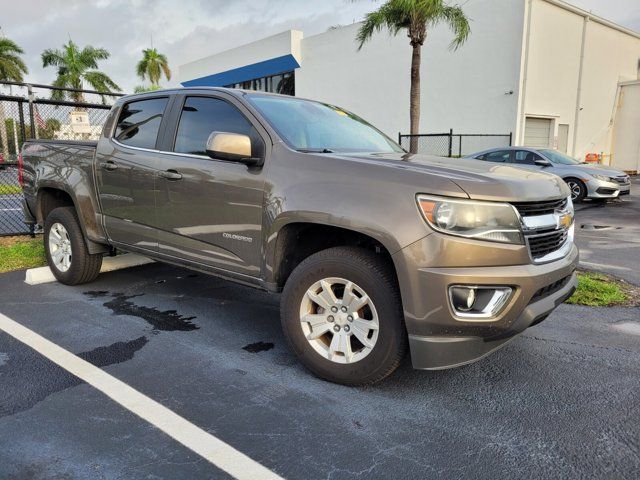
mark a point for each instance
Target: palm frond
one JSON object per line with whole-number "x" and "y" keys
{"x": 166, "y": 69}
{"x": 459, "y": 24}
{"x": 100, "y": 81}
{"x": 52, "y": 57}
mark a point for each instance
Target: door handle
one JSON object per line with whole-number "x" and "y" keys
{"x": 109, "y": 165}
{"x": 171, "y": 174}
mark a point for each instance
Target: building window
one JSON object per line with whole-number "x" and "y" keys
{"x": 283, "y": 83}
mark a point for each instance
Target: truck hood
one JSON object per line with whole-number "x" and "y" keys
{"x": 479, "y": 180}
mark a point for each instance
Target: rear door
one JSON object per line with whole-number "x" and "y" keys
{"x": 210, "y": 212}
{"x": 126, "y": 173}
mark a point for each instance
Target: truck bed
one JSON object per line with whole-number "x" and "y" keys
{"x": 66, "y": 168}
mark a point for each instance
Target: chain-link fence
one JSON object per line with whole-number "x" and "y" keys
{"x": 28, "y": 111}
{"x": 454, "y": 144}
{"x": 11, "y": 219}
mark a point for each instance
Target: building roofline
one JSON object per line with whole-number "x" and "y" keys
{"x": 558, "y": 3}
{"x": 583, "y": 13}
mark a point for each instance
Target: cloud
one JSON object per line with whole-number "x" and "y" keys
{"x": 183, "y": 30}
{"x": 189, "y": 29}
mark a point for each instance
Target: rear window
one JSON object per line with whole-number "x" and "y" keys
{"x": 139, "y": 123}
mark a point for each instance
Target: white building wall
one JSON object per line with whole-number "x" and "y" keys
{"x": 626, "y": 129}
{"x": 552, "y": 66}
{"x": 560, "y": 84}
{"x": 463, "y": 90}
{"x": 611, "y": 56}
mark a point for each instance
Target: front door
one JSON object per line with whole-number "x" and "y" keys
{"x": 126, "y": 173}
{"x": 210, "y": 211}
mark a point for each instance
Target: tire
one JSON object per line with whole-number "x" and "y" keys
{"x": 82, "y": 267}
{"x": 359, "y": 363}
{"x": 578, "y": 189}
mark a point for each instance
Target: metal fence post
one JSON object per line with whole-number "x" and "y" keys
{"x": 23, "y": 128}
{"x": 399, "y": 138}
{"x": 510, "y": 139}
{"x": 450, "y": 141}
{"x": 34, "y": 130}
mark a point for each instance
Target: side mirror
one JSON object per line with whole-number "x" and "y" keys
{"x": 233, "y": 147}
{"x": 542, "y": 162}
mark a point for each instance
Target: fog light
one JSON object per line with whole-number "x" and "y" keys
{"x": 463, "y": 298}
{"x": 478, "y": 302}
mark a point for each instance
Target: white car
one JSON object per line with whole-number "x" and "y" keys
{"x": 586, "y": 180}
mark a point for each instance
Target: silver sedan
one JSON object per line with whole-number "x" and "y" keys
{"x": 586, "y": 180}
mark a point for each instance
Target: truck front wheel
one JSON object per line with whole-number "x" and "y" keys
{"x": 65, "y": 248}
{"x": 342, "y": 315}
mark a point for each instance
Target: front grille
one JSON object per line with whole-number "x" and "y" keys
{"x": 543, "y": 243}
{"x": 550, "y": 289}
{"x": 529, "y": 209}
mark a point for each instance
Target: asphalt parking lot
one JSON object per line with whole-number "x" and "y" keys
{"x": 559, "y": 401}
{"x": 608, "y": 235}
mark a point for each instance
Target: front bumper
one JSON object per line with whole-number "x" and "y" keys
{"x": 438, "y": 339}
{"x": 602, "y": 189}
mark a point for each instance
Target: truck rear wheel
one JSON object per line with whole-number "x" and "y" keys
{"x": 65, "y": 248}
{"x": 342, "y": 316}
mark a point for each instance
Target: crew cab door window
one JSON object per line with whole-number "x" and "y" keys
{"x": 497, "y": 156}
{"x": 139, "y": 123}
{"x": 202, "y": 115}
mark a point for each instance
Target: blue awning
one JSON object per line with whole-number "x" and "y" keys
{"x": 274, "y": 66}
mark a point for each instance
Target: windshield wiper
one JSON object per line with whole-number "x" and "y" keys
{"x": 314, "y": 150}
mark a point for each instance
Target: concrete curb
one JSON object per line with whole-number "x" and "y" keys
{"x": 36, "y": 276}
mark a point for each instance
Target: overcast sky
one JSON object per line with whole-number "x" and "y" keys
{"x": 186, "y": 30}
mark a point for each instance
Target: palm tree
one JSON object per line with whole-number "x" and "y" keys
{"x": 152, "y": 66}
{"x": 12, "y": 68}
{"x": 416, "y": 17}
{"x": 142, "y": 88}
{"x": 78, "y": 68}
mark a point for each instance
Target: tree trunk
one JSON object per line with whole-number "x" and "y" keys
{"x": 414, "y": 99}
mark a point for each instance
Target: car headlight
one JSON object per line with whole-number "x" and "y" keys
{"x": 604, "y": 178}
{"x": 496, "y": 222}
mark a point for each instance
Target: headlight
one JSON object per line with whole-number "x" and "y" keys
{"x": 604, "y": 178}
{"x": 496, "y": 222}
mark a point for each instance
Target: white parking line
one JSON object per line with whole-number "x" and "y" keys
{"x": 219, "y": 453}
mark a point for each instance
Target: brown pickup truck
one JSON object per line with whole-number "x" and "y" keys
{"x": 375, "y": 250}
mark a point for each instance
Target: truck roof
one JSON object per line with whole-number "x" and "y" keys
{"x": 232, "y": 91}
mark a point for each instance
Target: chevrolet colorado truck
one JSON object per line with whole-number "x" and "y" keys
{"x": 376, "y": 251}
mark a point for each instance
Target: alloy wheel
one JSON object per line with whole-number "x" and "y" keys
{"x": 575, "y": 189}
{"x": 339, "y": 320}
{"x": 60, "y": 247}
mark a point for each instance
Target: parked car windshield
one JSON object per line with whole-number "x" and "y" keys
{"x": 558, "y": 157}
{"x": 310, "y": 126}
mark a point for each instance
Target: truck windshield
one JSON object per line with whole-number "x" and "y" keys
{"x": 309, "y": 126}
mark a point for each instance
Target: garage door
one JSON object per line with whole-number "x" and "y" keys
{"x": 537, "y": 132}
